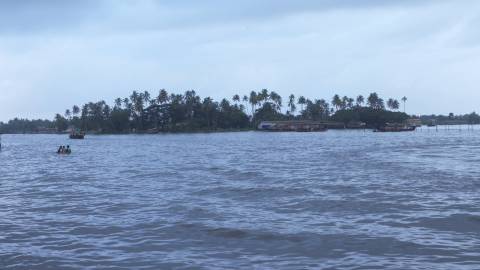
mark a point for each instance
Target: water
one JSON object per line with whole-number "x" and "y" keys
{"x": 334, "y": 200}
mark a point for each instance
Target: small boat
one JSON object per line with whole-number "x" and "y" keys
{"x": 77, "y": 135}
{"x": 395, "y": 128}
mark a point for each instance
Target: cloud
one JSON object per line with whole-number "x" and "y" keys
{"x": 70, "y": 52}
{"x": 53, "y": 16}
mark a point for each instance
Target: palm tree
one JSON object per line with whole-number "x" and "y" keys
{"x": 236, "y": 98}
{"x": 253, "y": 101}
{"x": 390, "y": 103}
{"x": 360, "y": 100}
{"x": 75, "y": 110}
{"x": 344, "y": 104}
{"x": 395, "y": 104}
{"x": 302, "y": 101}
{"x": 162, "y": 96}
{"x": 146, "y": 97}
{"x": 404, "y": 100}
{"x": 245, "y": 100}
{"x": 291, "y": 103}
{"x": 375, "y": 102}
{"x": 277, "y": 100}
{"x": 68, "y": 114}
{"x": 263, "y": 96}
{"x": 118, "y": 103}
{"x": 336, "y": 102}
{"x": 350, "y": 103}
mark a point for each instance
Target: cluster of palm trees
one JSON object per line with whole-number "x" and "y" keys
{"x": 257, "y": 99}
{"x": 170, "y": 112}
{"x": 165, "y": 112}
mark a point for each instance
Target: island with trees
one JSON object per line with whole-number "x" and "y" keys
{"x": 143, "y": 112}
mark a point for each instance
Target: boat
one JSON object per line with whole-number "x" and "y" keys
{"x": 77, "y": 135}
{"x": 395, "y": 128}
{"x": 297, "y": 126}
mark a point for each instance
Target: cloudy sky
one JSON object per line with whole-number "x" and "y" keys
{"x": 57, "y": 53}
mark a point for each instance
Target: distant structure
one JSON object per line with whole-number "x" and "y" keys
{"x": 298, "y": 126}
{"x": 414, "y": 122}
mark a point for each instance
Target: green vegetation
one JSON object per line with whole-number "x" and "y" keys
{"x": 451, "y": 119}
{"x": 143, "y": 113}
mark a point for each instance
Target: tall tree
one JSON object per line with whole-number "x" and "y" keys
{"x": 390, "y": 103}
{"x": 162, "y": 97}
{"x": 263, "y": 96}
{"x": 236, "y": 98}
{"x": 395, "y": 104}
{"x": 75, "y": 110}
{"x": 404, "y": 100}
{"x": 336, "y": 102}
{"x": 68, "y": 114}
{"x": 253, "y": 101}
{"x": 291, "y": 104}
{"x": 375, "y": 102}
{"x": 360, "y": 100}
{"x": 245, "y": 100}
{"x": 302, "y": 101}
{"x": 118, "y": 103}
{"x": 276, "y": 99}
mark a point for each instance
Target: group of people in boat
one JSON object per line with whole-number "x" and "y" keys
{"x": 64, "y": 150}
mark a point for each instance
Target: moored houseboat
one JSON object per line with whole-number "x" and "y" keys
{"x": 297, "y": 126}
{"x": 74, "y": 135}
{"x": 395, "y": 127}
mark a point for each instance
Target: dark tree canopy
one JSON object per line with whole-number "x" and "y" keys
{"x": 170, "y": 112}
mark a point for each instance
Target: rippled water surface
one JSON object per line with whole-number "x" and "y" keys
{"x": 333, "y": 200}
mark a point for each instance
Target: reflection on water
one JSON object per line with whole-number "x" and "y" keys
{"x": 334, "y": 200}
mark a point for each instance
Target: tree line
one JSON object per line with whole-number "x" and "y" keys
{"x": 170, "y": 112}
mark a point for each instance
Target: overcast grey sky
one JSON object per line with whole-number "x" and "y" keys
{"x": 57, "y": 53}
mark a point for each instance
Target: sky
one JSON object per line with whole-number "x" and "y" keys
{"x": 59, "y": 53}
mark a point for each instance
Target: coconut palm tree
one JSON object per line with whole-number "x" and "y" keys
{"x": 118, "y": 103}
{"x": 236, "y": 98}
{"x": 291, "y": 103}
{"x": 404, "y": 100}
{"x": 245, "y": 100}
{"x": 396, "y": 104}
{"x": 263, "y": 96}
{"x": 253, "y": 101}
{"x": 276, "y": 99}
{"x": 375, "y": 102}
{"x": 302, "y": 101}
{"x": 390, "y": 104}
{"x": 162, "y": 96}
{"x": 75, "y": 110}
{"x": 360, "y": 100}
{"x": 350, "y": 103}
{"x": 336, "y": 102}
{"x": 68, "y": 114}
{"x": 146, "y": 97}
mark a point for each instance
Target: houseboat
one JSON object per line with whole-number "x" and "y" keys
{"x": 74, "y": 135}
{"x": 297, "y": 126}
{"x": 396, "y": 127}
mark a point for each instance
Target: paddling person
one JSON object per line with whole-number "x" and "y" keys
{"x": 60, "y": 148}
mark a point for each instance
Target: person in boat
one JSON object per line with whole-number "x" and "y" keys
{"x": 60, "y": 149}
{"x": 68, "y": 150}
